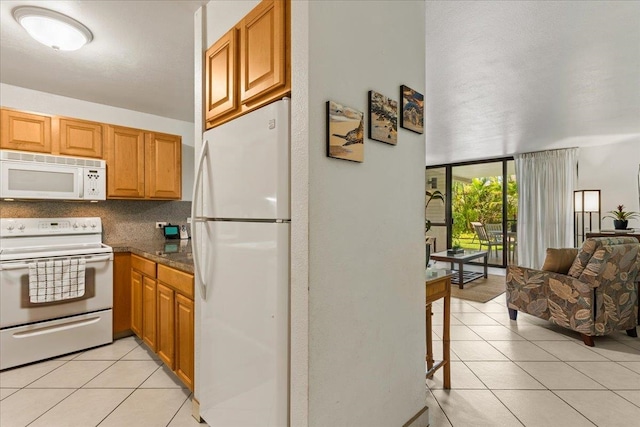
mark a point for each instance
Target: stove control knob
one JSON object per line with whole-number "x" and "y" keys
{"x": 93, "y": 225}
{"x": 10, "y": 227}
{"x": 84, "y": 226}
{"x": 75, "y": 225}
{"x": 21, "y": 227}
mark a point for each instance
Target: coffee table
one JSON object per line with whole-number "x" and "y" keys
{"x": 461, "y": 259}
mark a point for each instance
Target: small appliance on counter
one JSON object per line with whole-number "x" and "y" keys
{"x": 171, "y": 232}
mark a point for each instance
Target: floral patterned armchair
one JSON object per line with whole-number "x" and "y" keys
{"x": 598, "y": 295}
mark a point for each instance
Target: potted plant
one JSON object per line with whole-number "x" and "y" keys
{"x": 621, "y": 217}
{"x": 436, "y": 195}
{"x": 456, "y": 248}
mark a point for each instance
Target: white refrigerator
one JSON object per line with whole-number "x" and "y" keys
{"x": 240, "y": 236}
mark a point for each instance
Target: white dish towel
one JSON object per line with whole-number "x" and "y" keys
{"x": 56, "y": 280}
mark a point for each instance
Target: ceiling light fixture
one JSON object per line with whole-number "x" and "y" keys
{"x": 52, "y": 29}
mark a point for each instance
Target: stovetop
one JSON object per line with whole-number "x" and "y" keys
{"x": 27, "y": 238}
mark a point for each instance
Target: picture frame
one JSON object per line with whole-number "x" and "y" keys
{"x": 345, "y": 132}
{"x": 412, "y": 117}
{"x": 383, "y": 118}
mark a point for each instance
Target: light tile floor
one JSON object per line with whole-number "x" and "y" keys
{"x": 504, "y": 373}
{"x": 531, "y": 373}
{"x": 118, "y": 385}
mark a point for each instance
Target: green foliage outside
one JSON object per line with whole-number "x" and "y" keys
{"x": 481, "y": 201}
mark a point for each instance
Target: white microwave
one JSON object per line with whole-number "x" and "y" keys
{"x": 26, "y": 175}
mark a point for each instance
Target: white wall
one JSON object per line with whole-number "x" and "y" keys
{"x": 47, "y": 103}
{"x": 357, "y": 293}
{"x": 613, "y": 169}
{"x": 366, "y": 221}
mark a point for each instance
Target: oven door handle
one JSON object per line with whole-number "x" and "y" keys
{"x": 19, "y": 265}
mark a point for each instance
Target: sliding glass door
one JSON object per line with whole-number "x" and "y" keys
{"x": 480, "y": 208}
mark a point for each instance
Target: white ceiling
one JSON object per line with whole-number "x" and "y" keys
{"x": 513, "y": 77}
{"x": 141, "y": 57}
{"x": 502, "y": 77}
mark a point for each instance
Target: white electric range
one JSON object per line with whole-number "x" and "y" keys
{"x": 31, "y": 329}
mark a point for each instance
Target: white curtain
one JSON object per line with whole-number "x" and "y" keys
{"x": 546, "y": 181}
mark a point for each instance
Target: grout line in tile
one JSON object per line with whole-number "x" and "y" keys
{"x": 179, "y": 408}
{"x": 117, "y": 406}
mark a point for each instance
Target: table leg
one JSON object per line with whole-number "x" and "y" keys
{"x": 428, "y": 338}
{"x": 446, "y": 341}
{"x": 461, "y": 275}
{"x": 486, "y": 267}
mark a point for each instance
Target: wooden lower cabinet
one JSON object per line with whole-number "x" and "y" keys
{"x": 162, "y": 314}
{"x": 166, "y": 324}
{"x": 184, "y": 339}
{"x": 136, "y": 303}
{"x": 149, "y": 314}
{"x": 121, "y": 294}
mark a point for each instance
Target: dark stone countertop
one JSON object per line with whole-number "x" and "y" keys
{"x": 172, "y": 253}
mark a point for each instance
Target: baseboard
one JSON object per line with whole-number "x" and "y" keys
{"x": 195, "y": 409}
{"x": 421, "y": 419}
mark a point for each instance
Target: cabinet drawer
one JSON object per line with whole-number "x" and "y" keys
{"x": 148, "y": 268}
{"x": 179, "y": 280}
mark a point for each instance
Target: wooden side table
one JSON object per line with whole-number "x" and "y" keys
{"x": 438, "y": 285}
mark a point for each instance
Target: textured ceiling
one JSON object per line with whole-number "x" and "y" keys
{"x": 513, "y": 77}
{"x": 141, "y": 57}
{"x": 502, "y": 77}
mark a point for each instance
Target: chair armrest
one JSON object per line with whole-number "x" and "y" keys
{"x": 560, "y": 284}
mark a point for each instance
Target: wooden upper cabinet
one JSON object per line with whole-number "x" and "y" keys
{"x": 220, "y": 86}
{"x": 163, "y": 173}
{"x": 80, "y": 138}
{"x": 125, "y": 163}
{"x": 25, "y": 132}
{"x": 262, "y": 50}
{"x": 250, "y": 66}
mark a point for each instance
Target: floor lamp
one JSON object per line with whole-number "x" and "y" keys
{"x": 585, "y": 202}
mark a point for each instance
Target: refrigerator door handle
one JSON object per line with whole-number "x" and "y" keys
{"x": 194, "y": 219}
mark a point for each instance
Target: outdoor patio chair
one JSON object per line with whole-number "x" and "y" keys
{"x": 593, "y": 293}
{"x": 485, "y": 238}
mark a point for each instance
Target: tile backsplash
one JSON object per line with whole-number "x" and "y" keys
{"x": 122, "y": 220}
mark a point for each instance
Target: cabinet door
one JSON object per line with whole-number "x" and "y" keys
{"x": 136, "y": 303}
{"x": 184, "y": 339}
{"x": 163, "y": 176}
{"x": 121, "y": 293}
{"x": 220, "y": 81}
{"x": 149, "y": 312}
{"x": 24, "y": 131}
{"x": 165, "y": 343}
{"x": 80, "y": 138}
{"x": 262, "y": 50}
{"x": 125, "y": 163}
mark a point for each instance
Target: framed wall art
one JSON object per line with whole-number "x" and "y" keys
{"x": 345, "y": 132}
{"x": 383, "y": 118}
{"x": 412, "y": 116}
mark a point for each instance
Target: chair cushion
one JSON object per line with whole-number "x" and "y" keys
{"x": 590, "y": 246}
{"x": 559, "y": 260}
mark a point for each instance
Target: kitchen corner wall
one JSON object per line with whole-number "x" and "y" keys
{"x": 122, "y": 220}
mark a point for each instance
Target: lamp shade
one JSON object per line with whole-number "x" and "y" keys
{"x": 586, "y": 201}
{"x": 52, "y": 29}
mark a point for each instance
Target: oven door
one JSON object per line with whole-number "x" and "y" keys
{"x": 17, "y": 309}
{"x": 37, "y": 181}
